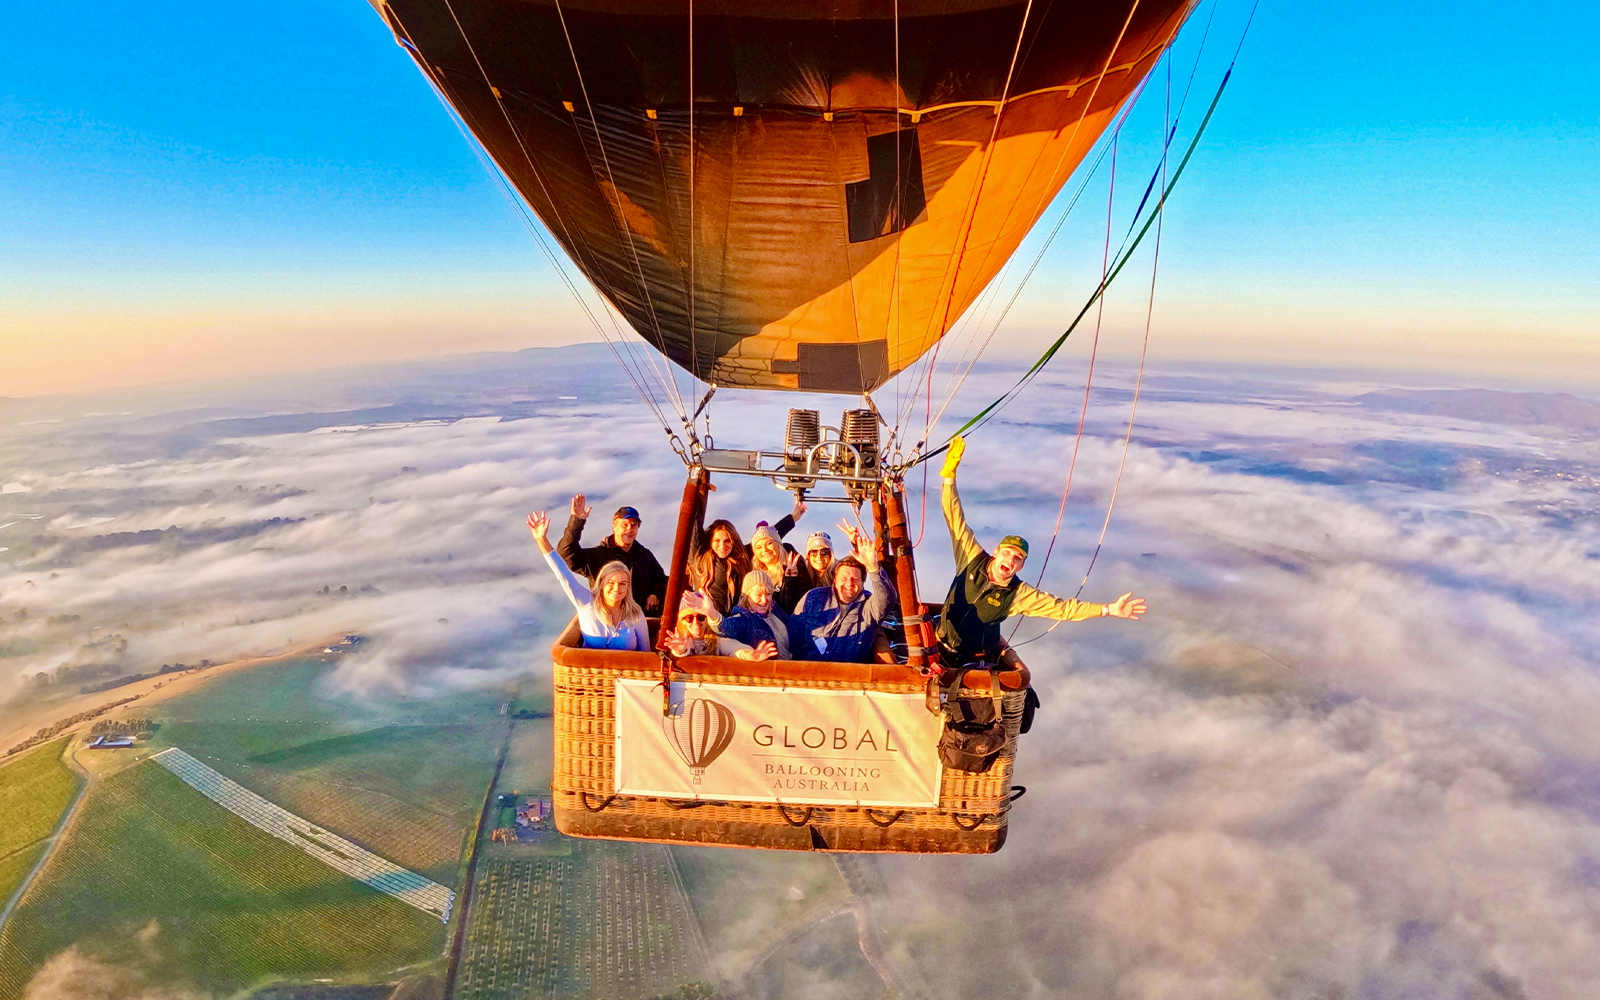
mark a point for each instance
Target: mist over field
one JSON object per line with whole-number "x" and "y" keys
{"x": 1351, "y": 752}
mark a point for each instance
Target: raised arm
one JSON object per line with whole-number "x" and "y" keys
{"x": 786, "y": 523}
{"x": 880, "y": 595}
{"x": 571, "y": 544}
{"x": 962, "y": 541}
{"x": 576, "y": 589}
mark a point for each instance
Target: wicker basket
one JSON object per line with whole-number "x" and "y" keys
{"x": 969, "y": 819}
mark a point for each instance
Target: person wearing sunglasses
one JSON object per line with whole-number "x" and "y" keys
{"x": 694, "y": 637}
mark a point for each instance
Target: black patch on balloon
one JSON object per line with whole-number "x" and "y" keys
{"x": 878, "y": 206}
{"x": 848, "y": 368}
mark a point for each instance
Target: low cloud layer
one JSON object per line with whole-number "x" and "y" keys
{"x": 1350, "y": 753}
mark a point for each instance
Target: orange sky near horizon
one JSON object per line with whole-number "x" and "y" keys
{"x": 101, "y": 347}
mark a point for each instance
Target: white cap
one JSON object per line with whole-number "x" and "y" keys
{"x": 819, "y": 540}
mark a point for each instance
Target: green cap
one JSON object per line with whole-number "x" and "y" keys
{"x": 1015, "y": 541}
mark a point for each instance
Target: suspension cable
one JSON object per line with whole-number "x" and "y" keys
{"x": 1088, "y": 385}
{"x": 1138, "y": 381}
{"x": 620, "y": 218}
{"x": 959, "y": 379}
{"x": 694, "y": 232}
{"x": 953, "y": 261}
{"x": 438, "y": 87}
{"x": 1066, "y": 148}
{"x": 984, "y": 415}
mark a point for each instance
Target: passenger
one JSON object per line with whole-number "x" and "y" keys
{"x": 987, "y": 590}
{"x": 818, "y": 565}
{"x": 839, "y": 623}
{"x": 608, "y": 616}
{"x": 719, "y": 560}
{"x": 758, "y": 617}
{"x": 622, "y": 545}
{"x": 781, "y": 564}
{"x": 694, "y": 637}
{"x": 718, "y": 565}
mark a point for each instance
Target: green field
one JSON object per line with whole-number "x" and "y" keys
{"x": 403, "y": 776}
{"x": 35, "y": 788}
{"x": 158, "y": 879}
{"x": 608, "y": 921}
{"x": 14, "y": 867}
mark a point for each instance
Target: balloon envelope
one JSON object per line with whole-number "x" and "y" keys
{"x": 858, "y": 170}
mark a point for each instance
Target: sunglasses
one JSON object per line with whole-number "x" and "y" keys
{"x": 693, "y": 618}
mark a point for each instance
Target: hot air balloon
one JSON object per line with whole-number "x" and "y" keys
{"x": 787, "y": 195}
{"x": 700, "y": 731}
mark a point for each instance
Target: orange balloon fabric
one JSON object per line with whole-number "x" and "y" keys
{"x": 837, "y": 209}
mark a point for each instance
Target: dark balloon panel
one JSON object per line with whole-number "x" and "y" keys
{"x": 836, "y": 217}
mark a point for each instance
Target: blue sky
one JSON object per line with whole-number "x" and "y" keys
{"x": 190, "y": 190}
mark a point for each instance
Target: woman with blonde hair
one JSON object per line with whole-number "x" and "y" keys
{"x": 781, "y": 563}
{"x": 608, "y": 615}
{"x": 693, "y": 636}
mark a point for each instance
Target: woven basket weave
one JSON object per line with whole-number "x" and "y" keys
{"x": 969, "y": 819}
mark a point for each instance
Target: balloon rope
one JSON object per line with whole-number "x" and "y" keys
{"x": 987, "y": 412}
{"x": 1138, "y": 381}
{"x": 638, "y": 379}
{"x": 971, "y": 212}
{"x": 616, "y": 197}
{"x": 1039, "y": 256}
{"x": 694, "y": 228}
{"x": 927, "y": 408}
{"x": 1088, "y": 383}
{"x": 1066, "y": 148}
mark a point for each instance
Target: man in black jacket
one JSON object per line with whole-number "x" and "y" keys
{"x": 649, "y": 579}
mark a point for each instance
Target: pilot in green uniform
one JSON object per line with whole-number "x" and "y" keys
{"x": 987, "y": 590}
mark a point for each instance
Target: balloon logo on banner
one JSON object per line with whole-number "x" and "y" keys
{"x": 700, "y": 731}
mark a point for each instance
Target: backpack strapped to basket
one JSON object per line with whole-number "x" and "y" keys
{"x": 974, "y": 728}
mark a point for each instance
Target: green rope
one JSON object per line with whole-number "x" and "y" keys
{"x": 1122, "y": 261}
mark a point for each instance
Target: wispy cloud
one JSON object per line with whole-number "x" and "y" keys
{"x": 1351, "y": 751}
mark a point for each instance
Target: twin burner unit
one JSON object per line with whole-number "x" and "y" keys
{"x": 813, "y": 453}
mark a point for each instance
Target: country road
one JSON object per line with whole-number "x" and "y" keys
{"x": 55, "y": 836}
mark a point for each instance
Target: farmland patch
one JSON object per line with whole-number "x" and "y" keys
{"x": 609, "y": 920}
{"x": 237, "y": 905}
{"x": 35, "y": 788}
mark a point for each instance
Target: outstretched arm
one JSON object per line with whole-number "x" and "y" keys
{"x": 571, "y": 544}
{"x": 1039, "y": 604}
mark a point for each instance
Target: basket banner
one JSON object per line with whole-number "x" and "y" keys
{"x": 766, "y": 744}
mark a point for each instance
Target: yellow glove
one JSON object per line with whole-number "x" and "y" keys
{"x": 952, "y": 457}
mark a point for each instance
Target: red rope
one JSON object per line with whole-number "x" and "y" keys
{"x": 927, "y": 416}
{"x": 1088, "y": 381}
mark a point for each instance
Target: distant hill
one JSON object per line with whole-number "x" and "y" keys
{"x": 1550, "y": 409}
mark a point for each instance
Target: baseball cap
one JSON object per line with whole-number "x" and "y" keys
{"x": 627, "y": 512}
{"x": 819, "y": 540}
{"x": 1015, "y": 541}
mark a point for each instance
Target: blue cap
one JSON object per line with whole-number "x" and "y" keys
{"x": 629, "y": 513}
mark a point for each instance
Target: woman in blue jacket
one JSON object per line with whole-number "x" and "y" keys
{"x": 757, "y": 617}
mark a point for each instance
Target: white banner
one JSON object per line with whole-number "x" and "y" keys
{"x": 766, "y": 744}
